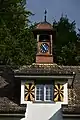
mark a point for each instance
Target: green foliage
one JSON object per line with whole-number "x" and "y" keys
{"x": 17, "y": 44}
{"x": 16, "y": 39}
{"x": 66, "y": 42}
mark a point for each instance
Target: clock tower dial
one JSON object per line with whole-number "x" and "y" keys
{"x": 44, "y": 48}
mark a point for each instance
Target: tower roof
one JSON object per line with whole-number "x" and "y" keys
{"x": 44, "y": 26}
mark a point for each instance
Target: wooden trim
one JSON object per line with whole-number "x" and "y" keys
{"x": 42, "y": 76}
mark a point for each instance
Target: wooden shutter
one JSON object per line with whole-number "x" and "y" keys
{"x": 58, "y": 93}
{"x": 29, "y": 91}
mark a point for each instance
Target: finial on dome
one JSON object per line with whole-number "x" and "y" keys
{"x": 45, "y": 12}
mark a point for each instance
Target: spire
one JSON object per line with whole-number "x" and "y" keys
{"x": 45, "y": 12}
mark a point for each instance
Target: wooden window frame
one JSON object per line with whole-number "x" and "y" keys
{"x": 44, "y": 94}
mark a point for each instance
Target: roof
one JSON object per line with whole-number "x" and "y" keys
{"x": 9, "y": 101}
{"x": 44, "y": 26}
{"x": 41, "y": 69}
{"x": 75, "y": 109}
{"x": 8, "y": 106}
{"x": 73, "y": 106}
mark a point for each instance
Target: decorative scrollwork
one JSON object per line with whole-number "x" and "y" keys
{"x": 58, "y": 93}
{"x": 29, "y": 91}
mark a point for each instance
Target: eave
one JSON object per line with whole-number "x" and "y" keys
{"x": 61, "y": 77}
{"x": 71, "y": 115}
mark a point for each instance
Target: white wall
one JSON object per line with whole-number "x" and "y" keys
{"x": 43, "y": 111}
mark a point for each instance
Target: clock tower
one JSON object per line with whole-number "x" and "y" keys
{"x": 45, "y": 34}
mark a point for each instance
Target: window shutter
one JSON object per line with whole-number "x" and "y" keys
{"x": 58, "y": 93}
{"x": 29, "y": 91}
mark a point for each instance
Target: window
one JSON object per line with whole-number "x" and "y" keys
{"x": 39, "y": 92}
{"x": 44, "y": 93}
{"x": 49, "y": 92}
{"x": 44, "y": 37}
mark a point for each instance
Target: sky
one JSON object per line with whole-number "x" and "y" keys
{"x": 54, "y": 8}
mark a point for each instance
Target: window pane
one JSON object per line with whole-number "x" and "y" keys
{"x": 49, "y": 92}
{"x": 39, "y": 92}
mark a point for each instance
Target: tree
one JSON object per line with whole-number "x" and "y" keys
{"x": 66, "y": 42}
{"x": 78, "y": 47}
{"x": 16, "y": 39}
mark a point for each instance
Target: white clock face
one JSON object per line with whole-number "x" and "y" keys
{"x": 44, "y": 48}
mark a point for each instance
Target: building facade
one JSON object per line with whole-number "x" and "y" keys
{"x": 43, "y": 90}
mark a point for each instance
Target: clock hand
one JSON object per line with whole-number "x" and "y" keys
{"x": 44, "y": 47}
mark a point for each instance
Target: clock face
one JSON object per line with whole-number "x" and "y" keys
{"x": 44, "y": 48}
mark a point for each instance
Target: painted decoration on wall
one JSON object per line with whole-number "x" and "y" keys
{"x": 58, "y": 93}
{"x": 29, "y": 91}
